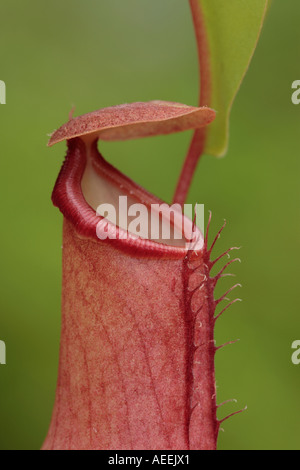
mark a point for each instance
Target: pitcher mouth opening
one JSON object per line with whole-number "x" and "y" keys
{"x": 89, "y": 190}
{"x": 105, "y": 205}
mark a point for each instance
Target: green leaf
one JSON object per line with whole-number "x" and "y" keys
{"x": 226, "y": 46}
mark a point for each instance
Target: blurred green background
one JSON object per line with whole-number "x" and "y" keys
{"x": 93, "y": 54}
